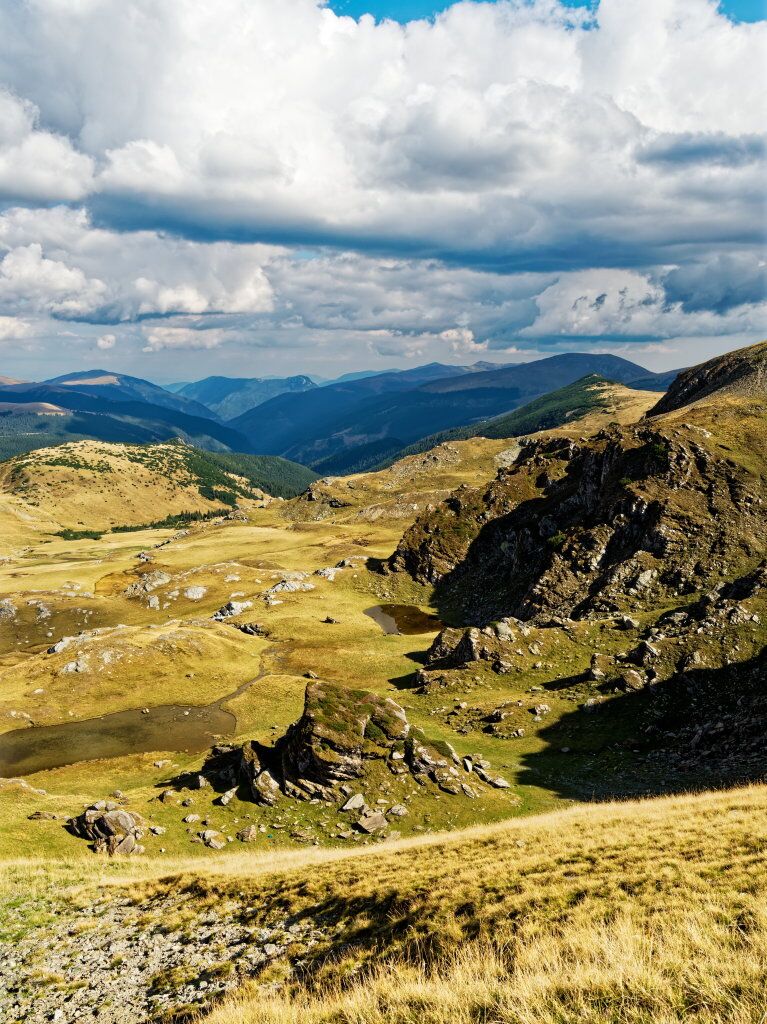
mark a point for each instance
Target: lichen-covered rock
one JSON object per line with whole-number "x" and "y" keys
{"x": 338, "y": 730}
{"x": 148, "y": 582}
{"x": 341, "y": 733}
{"x": 110, "y": 828}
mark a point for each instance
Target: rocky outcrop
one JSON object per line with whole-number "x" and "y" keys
{"x": 742, "y": 373}
{"x": 340, "y": 733}
{"x": 620, "y": 523}
{"x": 146, "y": 583}
{"x": 110, "y": 828}
{"x": 338, "y": 730}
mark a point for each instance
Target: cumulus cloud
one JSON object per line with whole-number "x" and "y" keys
{"x": 160, "y": 338}
{"x": 627, "y": 304}
{"x": 56, "y": 261}
{"x": 720, "y": 282}
{"x": 256, "y": 174}
{"x": 36, "y": 164}
{"x": 506, "y": 131}
{"x": 106, "y": 342}
{"x": 14, "y": 329}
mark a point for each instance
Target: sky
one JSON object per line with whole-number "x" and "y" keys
{"x": 270, "y": 187}
{"x": 408, "y": 10}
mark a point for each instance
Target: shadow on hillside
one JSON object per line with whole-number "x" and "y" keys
{"x": 701, "y": 729}
{"x": 510, "y": 553}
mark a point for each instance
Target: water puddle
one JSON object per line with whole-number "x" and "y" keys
{"x": 403, "y": 619}
{"x": 170, "y": 727}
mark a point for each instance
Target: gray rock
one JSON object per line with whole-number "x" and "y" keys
{"x": 372, "y": 823}
{"x": 354, "y": 803}
{"x": 213, "y": 839}
{"x": 111, "y": 829}
{"x": 398, "y": 811}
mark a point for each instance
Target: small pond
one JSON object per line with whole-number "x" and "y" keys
{"x": 403, "y": 619}
{"x": 171, "y": 727}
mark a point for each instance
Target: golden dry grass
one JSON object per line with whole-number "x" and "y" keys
{"x": 644, "y": 913}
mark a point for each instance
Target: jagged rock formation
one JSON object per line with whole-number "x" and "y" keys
{"x": 742, "y": 373}
{"x": 619, "y": 522}
{"x": 110, "y": 828}
{"x": 338, "y": 730}
{"x": 340, "y": 734}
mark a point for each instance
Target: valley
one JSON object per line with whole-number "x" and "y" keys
{"x": 499, "y": 634}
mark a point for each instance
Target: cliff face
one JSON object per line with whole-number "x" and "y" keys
{"x": 625, "y": 521}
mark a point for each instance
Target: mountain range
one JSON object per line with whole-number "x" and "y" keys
{"x": 353, "y": 423}
{"x": 379, "y": 416}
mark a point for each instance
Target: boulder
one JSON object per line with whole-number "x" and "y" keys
{"x": 232, "y": 608}
{"x": 213, "y": 839}
{"x": 338, "y": 730}
{"x": 148, "y": 582}
{"x": 264, "y": 788}
{"x": 371, "y": 823}
{"x": 354, "y": 803}
{"x": 109, "y": 828}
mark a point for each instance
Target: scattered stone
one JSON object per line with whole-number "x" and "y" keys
{"x": 232, "y": 608}
{"x": 61, "y": 645}
{"x": 372, "y": 823}
{"x": 398, "y": 811}
{"x": 626, "y": 622}
{"x": 630, "y": 679}
{"x": 496, "y": 781}
{"x": 354, "y": 803}
{"x": 213, "y": 839}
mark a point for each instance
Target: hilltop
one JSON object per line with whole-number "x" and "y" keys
{"x": 741, "y": 374}
{"x": 574, "y": 402}
{"x": 228, "y": 397}
{"x": 124, "y": 388}
{"x": 89, "y": 486}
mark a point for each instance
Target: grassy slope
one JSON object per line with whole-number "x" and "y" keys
{"x": 98, "y": 486}
{"x": 278, "y": 477}
{"x": 637, "y": 913}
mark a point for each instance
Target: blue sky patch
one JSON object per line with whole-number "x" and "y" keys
{"x": 408, "y": 10}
